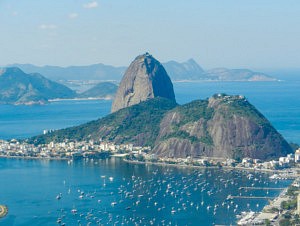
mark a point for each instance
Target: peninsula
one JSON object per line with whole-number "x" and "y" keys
{"x": 145, "y": 113}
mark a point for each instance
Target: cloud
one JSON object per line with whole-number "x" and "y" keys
{"x": 73, "y": 15}
{"x": 47, "y": 26}
{"x": 91, "y": 5}
{"x": 15, "y": 13}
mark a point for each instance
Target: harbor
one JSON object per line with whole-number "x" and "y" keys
{"x": 274, "y": 212}
{"x": 111, "y": 191}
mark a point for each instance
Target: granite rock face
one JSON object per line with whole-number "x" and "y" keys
{"x": 222, "y": 126}
{"x": 144, "y": 79}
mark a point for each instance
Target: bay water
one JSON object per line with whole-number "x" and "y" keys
{"x": 112, "y": 192}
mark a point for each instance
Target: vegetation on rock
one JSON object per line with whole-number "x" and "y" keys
{"x": 223, "y": 126}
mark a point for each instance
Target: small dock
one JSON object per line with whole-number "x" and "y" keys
{"x": 260, "y": 188}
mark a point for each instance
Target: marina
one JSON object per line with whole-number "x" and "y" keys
{"x": 114, "y": 192}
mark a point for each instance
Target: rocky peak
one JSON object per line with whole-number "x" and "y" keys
{"x": 144, "y": 79}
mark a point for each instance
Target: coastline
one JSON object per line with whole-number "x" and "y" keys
{"x": 161, "y": 164}
{"x": 207, "y": 167}
{"x": 33, "y": 158}
{"x": 258, "y": 218}
{"x": 79, "y": 99}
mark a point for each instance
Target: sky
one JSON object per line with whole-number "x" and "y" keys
{"x": 216, "y": 33}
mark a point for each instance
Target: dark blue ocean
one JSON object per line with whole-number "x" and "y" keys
{"x": 112, "y": 192}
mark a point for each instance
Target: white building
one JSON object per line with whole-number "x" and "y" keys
{"x": 297, "y": 155}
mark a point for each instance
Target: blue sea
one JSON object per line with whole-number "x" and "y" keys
{"x": 112, "y": 192}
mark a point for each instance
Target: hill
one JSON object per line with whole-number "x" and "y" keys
{"x": 101, "y": 90}
{"x": 222, "y": 126}
{"x": 138, "y": 124}
{"x": 17, "y": 87}
{"x": 224, "y": 74}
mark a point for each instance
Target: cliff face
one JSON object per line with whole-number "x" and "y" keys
{"x": 144, "y": 79}
{"x": 223, "y": 126}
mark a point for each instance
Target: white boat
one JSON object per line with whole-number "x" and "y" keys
{"x": 58, "y": 197}
{"x": 74, "y": 211}
{"x": 274, "y": 176}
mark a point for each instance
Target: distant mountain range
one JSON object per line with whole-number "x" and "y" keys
{"x": 90, "y": 72}
{"x": 224, "y": 74}
{"x": 185, "y": 71}
{"x": 188, "y": 70}
{"x": 25, "y": 83}
{"x": 18, "y": 87}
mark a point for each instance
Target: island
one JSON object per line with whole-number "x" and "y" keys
{"x": 3, "y": 211}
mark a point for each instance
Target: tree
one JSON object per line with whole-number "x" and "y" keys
{"x": 267, "y": 222}
{"x": 296, "y": 219}
{"x": 284, "y": 222}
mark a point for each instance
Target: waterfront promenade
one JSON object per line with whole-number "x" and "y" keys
{"x": 3, "y": 211}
